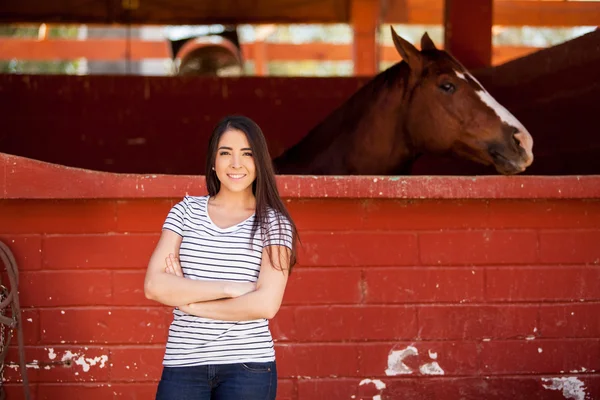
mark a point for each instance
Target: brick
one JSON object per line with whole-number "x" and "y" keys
{"x": 136, "y": 364}
{"x": 60, "y": 364}
{"x": 30, "y": 320}
{"x": 323, "y": 286}
{"x": 539, "y": 356}
{"x": 142, "y": 215}
{"x": 357, "y": 249}
{"x": 327, "y": 389}
{"x": 14, "y": 391}
{"x": 128, "y": 289}
{"x": 477, "y": 321}
{"x": 542, "y": 283}
{"x": 478, "y": 247}
{"x": 286, "y": 389}
{"x": 316, "y": 360}
{"x": 547, "y": 214}
{"x": 26, "y": 249}
{"x": 454, "y": 358}
{"x": 57, "y": 216}
{"x": 57, "y": 288}
{"x": 283, "y": 326}
{"x": 430, "y": 285}
{"x": 351, "y": 323}
{"x": 101, "y": 391}
{"x": 570, "y": 320}
{"x": 98, "y": 251}
{"x": 570, "y": 247}
{"x": 448, "y": 388}
{"x": 539, "y": 388}
{"x": 393, "y": 215}
{"x": 107, "y": 325}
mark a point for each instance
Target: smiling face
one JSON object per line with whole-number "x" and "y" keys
{"x": 234, "y": 162}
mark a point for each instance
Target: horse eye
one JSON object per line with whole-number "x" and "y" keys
{"x": 448, "y": 87}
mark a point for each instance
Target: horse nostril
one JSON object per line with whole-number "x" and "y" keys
{"x": 516, "y": 140}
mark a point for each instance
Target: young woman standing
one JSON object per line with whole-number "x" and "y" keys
{"x": 223, "y": 261}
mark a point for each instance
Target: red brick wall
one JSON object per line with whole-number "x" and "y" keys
{"x": 495, "y": 279}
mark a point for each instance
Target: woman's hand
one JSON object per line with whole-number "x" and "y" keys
{"x": 232, "y": 289}
{"x": 173, "y": 267}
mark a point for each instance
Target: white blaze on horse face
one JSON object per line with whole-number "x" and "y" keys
{"x": 505, "y": 116}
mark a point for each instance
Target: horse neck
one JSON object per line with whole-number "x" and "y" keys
{"x": 365, "y": 127}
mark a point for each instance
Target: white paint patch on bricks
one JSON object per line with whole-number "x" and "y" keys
{"x": 572, "y": 388}
{"x": 85, "y": 363}
{"x": 378, "y": 384}
{"x": 431, "y": 369}
{"x": 395, "y": 362}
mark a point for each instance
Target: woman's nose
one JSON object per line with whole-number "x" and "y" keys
{"x": 235, "y": 161}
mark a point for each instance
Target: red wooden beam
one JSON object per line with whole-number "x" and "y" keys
{"x": 99, "y": 185}
{"x": 468, "y": 31}
{"x": 198, "y": 12}
{"x": 114, "y": 50}
{"x": 365, "y": 18}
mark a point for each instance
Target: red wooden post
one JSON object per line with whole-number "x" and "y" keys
{"x": 365, "y": 16}
{"x": 468, "y": 31}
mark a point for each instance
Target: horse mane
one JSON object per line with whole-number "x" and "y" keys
{"x": 343, "y": 120}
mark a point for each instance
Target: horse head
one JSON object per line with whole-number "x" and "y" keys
{"x": 449, "y": 111}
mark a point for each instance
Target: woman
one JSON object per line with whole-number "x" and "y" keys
{"x": 223, "y": 260}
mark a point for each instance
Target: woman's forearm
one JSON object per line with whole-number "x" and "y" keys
{"x": 175, "y": 291}
{"x": 251, "y": 306}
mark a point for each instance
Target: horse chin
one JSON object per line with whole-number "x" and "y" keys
{"x": 506, "y": 166}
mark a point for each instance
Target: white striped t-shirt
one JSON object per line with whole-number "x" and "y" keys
{"x": 212, "y": 253}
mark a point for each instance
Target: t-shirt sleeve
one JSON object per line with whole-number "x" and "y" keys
{"x": 175, "y": 218}
{"x": 279, "y": 231}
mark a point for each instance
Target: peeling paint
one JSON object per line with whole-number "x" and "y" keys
{"x": 572, "y": 388}
{"x": 378, "y": 384}
{"x": 84, "y": 362}
{"x": 431, "y": 369}
{"x": 395, "y": 364}
{"x": 432, "y": 355}
{"x": 51, "y": 354}
{"x": 583, "y": 369}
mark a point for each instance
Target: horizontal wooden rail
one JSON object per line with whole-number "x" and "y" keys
{"x": 117, "y": 49}
{"x": 86, "y": 184}
{"x": 199, "y": 12}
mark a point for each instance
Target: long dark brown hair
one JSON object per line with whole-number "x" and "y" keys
{"x": 264, "y": 186}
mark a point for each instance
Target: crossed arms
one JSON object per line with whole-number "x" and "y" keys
{"x": 223, "y": 300}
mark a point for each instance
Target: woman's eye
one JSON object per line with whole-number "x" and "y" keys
{"x": 223, "y": 153}
{"x": 248, "y": 154}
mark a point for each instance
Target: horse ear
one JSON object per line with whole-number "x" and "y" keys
{"x": 427, "y": 43}
{"x": 407, "y": 51}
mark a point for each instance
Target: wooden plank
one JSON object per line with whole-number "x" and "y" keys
{"x": 91, "y": 49}
{"x": 365, "y": 18}
{"x": 114, "y": 50}
{"x": 547, "y": 13}
{"x": 470, "y": 43}
{"x": 424, "y": 12}
{"x": 506, "y": 12}
{"x": 165, "y": 12}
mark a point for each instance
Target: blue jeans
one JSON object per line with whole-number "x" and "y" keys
{"x": 244, "y": 381}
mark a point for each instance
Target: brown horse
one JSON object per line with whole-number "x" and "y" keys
{"x": 426, "y": 104}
